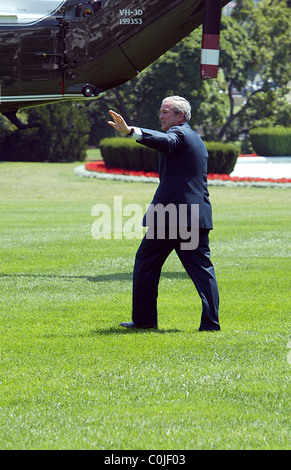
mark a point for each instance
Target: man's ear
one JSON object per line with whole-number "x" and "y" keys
{"x": 181, "y": 116}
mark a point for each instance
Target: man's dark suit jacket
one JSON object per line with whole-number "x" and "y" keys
{"x": 182, "y": 170}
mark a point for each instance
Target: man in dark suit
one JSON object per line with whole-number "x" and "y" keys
{"x": 183, "y": 184}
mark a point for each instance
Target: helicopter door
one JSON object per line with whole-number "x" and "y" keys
{"x": 30, "y": 63}
{"x": 41, "y": 59}
{"x": 32, "y": 53}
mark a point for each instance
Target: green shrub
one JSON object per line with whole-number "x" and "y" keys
{"x": 271, "y": 141}
{"x": 222, "y": 157}
{"x": 120, "y": 152}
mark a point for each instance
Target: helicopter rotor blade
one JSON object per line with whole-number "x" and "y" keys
{"x": 210, "y": 39}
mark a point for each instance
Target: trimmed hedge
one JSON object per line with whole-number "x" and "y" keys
{"x": 120, "y": 152}
{"x": 222, "y": 157}
{"x": 271, "y": 141}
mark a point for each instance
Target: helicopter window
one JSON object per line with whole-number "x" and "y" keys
{"x": 27, "y": 11}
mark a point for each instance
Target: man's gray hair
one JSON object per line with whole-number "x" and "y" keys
{"x": 180, "y": 104}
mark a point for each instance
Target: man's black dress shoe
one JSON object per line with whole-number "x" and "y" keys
{"x": 209, "y": 329}
{"x": 133, "y": 325}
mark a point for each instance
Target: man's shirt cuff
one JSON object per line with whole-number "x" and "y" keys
{"x": 137, "y": 134}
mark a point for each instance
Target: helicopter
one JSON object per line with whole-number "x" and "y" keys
{"x": 56, "y": 50}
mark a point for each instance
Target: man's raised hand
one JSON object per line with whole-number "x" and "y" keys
{"x": 118, "y": 123}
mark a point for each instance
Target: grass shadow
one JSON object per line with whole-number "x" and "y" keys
{"x": 121, "y": 330}
{"x": 98, "y": 278}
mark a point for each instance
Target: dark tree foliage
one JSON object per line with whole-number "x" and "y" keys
{"x": 61, "y": 135}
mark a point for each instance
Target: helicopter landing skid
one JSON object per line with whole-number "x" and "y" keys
{"x": 11, "y": 115}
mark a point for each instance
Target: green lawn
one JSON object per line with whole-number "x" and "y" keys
{"x": 71, "y": 378}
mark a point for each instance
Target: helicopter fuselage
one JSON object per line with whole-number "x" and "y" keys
{"x": 86, "y": 47}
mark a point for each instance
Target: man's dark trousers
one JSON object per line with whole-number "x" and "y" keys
{"x": 149, "y": 260}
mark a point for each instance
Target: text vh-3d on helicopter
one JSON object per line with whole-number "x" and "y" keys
{"x": 53, "y": 50}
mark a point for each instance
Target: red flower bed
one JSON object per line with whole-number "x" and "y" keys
{"x": 100, "y": 167}
{"x": 247, "y": 178}
{"x": 248, "y": 155}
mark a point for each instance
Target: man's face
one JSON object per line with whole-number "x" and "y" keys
{"x": 168, "y": 117}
